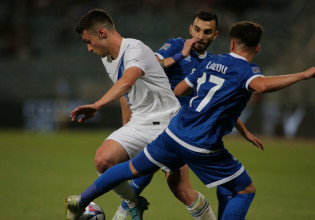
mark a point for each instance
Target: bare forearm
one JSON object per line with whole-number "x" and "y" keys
{"x": 241, "y": 127}
{"x": 274, "y": 83}
{"x": 125, "y": 110}
{"x": 167, "y": 62}
{"x": 119, "y": 89}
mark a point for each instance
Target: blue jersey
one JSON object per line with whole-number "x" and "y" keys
{"x": 177, "y": 72}
{"x": 221, "y": 93}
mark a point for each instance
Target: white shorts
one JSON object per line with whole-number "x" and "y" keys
{"x": 134, "y": 140}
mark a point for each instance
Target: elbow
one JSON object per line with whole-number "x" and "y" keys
{"x": 127, "y": 85}
{"x": 262, "y": 89}
{"x": 178, "y": 92}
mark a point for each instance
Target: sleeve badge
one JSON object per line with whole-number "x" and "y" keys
{"x": 256, "y": 69}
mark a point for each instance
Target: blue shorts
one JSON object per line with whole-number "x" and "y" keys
{"x": 212, "y": 168}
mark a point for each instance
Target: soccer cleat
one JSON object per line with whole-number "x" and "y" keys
{"x": 73, "y": 208}
{"x": 136, "y": 213}
{"x": 121, "y": 214}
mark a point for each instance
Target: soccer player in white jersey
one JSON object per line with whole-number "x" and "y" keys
{"x": 223, "y": 85}
{"x": 147, "y": 101}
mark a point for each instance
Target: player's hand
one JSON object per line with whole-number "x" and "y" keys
{"x": 254, "y": 140}
{"x": 187, "y": 46}
{"x": 88, "y": 111}
{"x": 310, "y": 73}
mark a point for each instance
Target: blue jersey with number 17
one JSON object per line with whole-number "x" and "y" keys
{"x": 221, "y": 93}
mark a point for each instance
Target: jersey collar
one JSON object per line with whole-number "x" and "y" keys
{"x": 200, "y": 56}
{"x": 238, "y": 56}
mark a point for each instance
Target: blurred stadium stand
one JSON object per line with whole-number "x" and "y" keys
{"x": 46, "y": 69}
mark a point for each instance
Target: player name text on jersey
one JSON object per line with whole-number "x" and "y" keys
{"x": 217, "y": 67}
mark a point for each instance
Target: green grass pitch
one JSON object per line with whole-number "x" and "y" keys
{"x": 39, "y": 171}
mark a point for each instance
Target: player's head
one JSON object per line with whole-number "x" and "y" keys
{"x": 93, "y": 20}
{"x": 246, "y": 36}
{"x": 94, "y": 27}
{"x": 204, "y": 29}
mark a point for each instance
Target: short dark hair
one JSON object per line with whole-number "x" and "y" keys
{"x": 207, "y": 15}
{"x": 93, "y": 19}
{"x": 247, "y": 32}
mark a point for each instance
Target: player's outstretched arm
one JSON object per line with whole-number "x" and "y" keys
{"x": 119, "y": 89}
{"x": 169, "y": 61}
{"x": 274, "y": 83}
{"x": 248, "y": 135}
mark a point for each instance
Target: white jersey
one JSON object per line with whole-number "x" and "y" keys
{"x": 151, "y": 99}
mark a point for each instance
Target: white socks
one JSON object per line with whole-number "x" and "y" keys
{"x": 200, "y": 209}
{"x": 125, "y": 191}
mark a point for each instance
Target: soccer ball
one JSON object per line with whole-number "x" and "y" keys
{"x": 93, "y": 212}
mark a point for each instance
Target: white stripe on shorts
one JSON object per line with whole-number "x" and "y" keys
{"x": 188, "y": 146}
{"x": 227, "y": 179}
{"x": 147, "y": 154}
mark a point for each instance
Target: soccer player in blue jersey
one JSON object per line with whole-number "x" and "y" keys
{"x": 223, "y": 85}
{"x": 179, "y": 58}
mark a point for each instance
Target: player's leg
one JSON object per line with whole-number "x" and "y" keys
{"x": 130, "y": 141}
{"x": 221, "y": 167}
{"x": 237, "y": 207}
{"x": 195, "y": 202}
{"x": 109, "y": 154}
{"x": 179, "y": 183}
{"x": 224, "y": 196}
{"x": 111, "y": 178}
{"x": 138, "y": 185}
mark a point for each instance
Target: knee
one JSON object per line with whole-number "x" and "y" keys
{"x": 249, "y": 189}
{"x": 252, "y": 188}
{"x": 102, "y": 162}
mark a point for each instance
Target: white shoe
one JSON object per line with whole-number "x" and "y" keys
{"x": 73, "y": 208}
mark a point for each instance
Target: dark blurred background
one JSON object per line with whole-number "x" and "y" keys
{"x": 46, "y": 70}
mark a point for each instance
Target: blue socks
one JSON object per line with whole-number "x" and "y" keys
{"x": 237, "y": 207}
{"x": 107, "y": 181}
{"x": 224, "y": 196}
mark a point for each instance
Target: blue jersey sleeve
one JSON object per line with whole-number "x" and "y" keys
{"x": 252, "y": 71}
{"x": 192, "y": 79}
{"x": 170, "y": 48}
